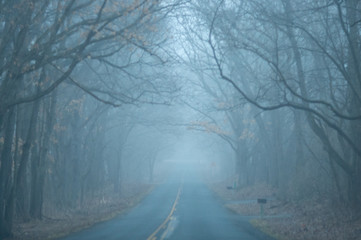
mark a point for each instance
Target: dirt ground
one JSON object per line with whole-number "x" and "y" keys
{"x": 70, "y": 221}
{"x": 311, "y": 219}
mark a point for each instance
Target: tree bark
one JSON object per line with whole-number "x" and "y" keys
{"x": 21, "y": 180}
{"x": 40, "y": 164}
{"x": 353, "y": 15}
{"x": 6, "y": 181}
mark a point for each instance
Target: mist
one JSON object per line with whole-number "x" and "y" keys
{"x": 175, "y": 119}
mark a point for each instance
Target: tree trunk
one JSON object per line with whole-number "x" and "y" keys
{"x": 40, "y": 166}
{"x": 21, "y": 181}
{"x": 354, "y": 60}
{"x": 6, "y": 181}
{"x": 242, "y": 164}
{"x": 118, "y": 173}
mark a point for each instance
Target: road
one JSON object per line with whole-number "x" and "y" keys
{"x": 181, "y": 208}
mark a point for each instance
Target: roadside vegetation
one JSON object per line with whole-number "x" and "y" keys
{"x": 63, "y": 223}
{"x": 313, "y": 218}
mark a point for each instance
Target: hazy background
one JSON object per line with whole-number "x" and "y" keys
{"x": 99, "y": 100}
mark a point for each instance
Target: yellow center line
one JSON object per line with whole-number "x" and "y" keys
{"x": 152, "y": 236}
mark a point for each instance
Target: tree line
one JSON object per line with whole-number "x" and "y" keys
{"x": 64, "y": 67}
{"x": 283, "y": 80}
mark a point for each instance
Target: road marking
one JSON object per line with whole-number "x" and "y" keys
{"x": 170, "y": 227}
{"x": 152, "y": 236}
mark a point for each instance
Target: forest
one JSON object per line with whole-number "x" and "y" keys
{"x": 95, "y": 96}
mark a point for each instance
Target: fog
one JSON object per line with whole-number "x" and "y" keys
{"x": 180, "y": 110}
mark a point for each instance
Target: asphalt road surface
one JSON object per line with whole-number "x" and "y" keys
{"x": 181, "y": 208}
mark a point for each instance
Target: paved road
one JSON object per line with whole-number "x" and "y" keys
{"x": 181, "y": 208}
